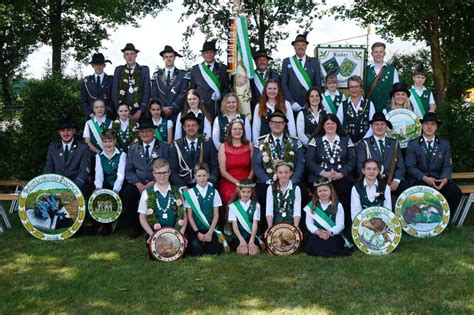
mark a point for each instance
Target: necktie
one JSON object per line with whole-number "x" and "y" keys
{"x": 97, "y": 82}
{"x": 278, "y": 147}
{"x": 430, "y": 148}
{"x": 262, "y": 74}
{"x": 193, "y": 151}
{"x": 168, "y": 77}
{"x": 147, "y": 153}
{"x": 300, "y": 60}
{"x": 66, "y": 152}
{"x": 209, "y": 66}
{"x": 382, "y": 147}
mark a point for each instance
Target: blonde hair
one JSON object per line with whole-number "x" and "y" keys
{"x": 406, "y": 104}
{"x": 159, "y": 163}
{"x": 224, "y": 103}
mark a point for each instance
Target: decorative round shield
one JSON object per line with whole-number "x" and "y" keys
{"x": 406, "y": 126}
{"x": 51, "y": 207}
{"x": 423, "y": 211}
{"x": 376, "y": 231}
{"x": 283, "y": 239}
{"x": 167, "y": 244}
{"x": 105, "y": 205}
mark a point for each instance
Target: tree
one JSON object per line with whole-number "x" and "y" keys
{"x": 445, "y": 26}
{"x": 406, "y": 63}
{"x": 266, "y": 19}
{"x": 81, "y": 25}
{"x": 17, "y": 40}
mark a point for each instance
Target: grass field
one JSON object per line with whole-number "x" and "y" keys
{"x": 94, "y": 274}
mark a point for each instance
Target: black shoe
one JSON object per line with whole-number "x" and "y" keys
{"x": 134, "y": 235}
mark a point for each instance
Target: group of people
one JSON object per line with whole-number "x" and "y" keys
{"x": 183, "y": 142}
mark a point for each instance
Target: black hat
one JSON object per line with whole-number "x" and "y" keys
{"x": 300, "y": 38}
{"x": 399, "y": 87}
{"x": 130, "y": 46}
{"x": 429, "y": 116}
{"x": 66, "y": 123}
{"x": 277, "y": 113}
{"x": 169, "y": 49}
{"x": 209, "y": 46}
{"x": 261, "y": 53}
{"x": 189, "y": 116}
{"x": 98, "y": 59}
{"x": 379, "y": 116}
{"x": 146, "y": 123}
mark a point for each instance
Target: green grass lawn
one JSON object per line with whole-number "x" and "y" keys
{"x": 94, "y": 274}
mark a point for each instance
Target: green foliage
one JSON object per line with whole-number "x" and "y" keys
{"x": 45, "y": 102}
{"x": 407, "y": 63}
{"x": 9, "y": 144}
{"x": 458, "y": 128}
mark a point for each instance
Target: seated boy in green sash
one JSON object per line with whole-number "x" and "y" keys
{"x": 202, "y": 204}
{"x": 161, "y": 205}
{"x": 244, "y": 214}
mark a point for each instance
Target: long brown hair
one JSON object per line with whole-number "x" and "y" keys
{"x": 228, "y": 138}
{"x": 323, "y": 181}
{"x": 280, "y": 100}
{"x": 200, "y": 106}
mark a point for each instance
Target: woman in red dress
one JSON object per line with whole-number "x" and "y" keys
{"x": 235, "y": 159}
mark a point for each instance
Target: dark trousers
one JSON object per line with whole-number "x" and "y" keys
{"x": 234, "y": 243}
{"x": 343, "y": 189}
{"x": 198, "y": 248}
{"x": 130, "y": 198}
{"x": 451, "y": 192}
{"x": 332, "y": 247}
{"x": 261, "y": 191}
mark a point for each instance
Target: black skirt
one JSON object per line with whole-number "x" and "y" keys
{"x": 332, "y": 247}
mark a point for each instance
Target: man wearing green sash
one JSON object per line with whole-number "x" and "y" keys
{"x": 210, "y": 78}
{"x": 262, "y": 74}
{"x": 380, "y": 78}
{"x": 299, "y": 73}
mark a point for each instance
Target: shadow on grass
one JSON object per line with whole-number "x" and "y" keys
{"x": 112, "y": 275}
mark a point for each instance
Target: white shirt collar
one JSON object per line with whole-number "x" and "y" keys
{"x": 290, "y": 186}
{"x": 384, "y": 64}
{"x": 169, "y": 69}
{"x": 202, "y": 190}
{"x": 67, "y": 144}
{"x": 358, "y": 103}
{"x": 280, "y": 138}
{"x": 100, "y": 120}
{"x": 157, "y": 123}
{"x": 329, "y": 93}
{"x": 325, "y": 205}
{"x": 271, "y": 106}
{"x": 115, "y": 152}
{"x": 421, "y": 90}
{"x": 124, "y": 124}
{"x": 99, "y": 75}
{"x": 152, "y": 144}
{"x": 337, "y": 138}
{"x": 377, "y": 138}
{"x": 376, "y": 183}
{"x": 426, "y": 139}
{"x": 197, "y": 113}
{"x": 155, "y": 188}
{"x": 245, "y": 205}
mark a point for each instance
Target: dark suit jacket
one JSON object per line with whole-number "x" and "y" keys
{"x": 418, "y": 164}
{"x": 291, "y": 87}
{"x": 209, "y": 157}
{"x": 257, "y": 159}
{"x": 316, "y": 157}
{"x": 145, "y": 85}
{"x": 255, "y": 92}
{"x": 173, "y": 95}
{"x": 384, "y": 160}
{"x": 89, "y": 93}
{"x": 205, "y": 91}
{"x": 137, "y": 169}
{"x": 77, "y": 166}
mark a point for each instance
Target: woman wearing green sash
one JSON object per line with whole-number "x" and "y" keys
{"x": 244, "y": 214}
{"x": 371, "y": 190}
{"x": 283, "y": 197}
{"x": 161, "y": 205}
{"x": 202, "y": 204}
{"x": 194, "y": 105}
{"x": 325, "y": 222}
{"x": 94, "y": 127}
{"x": 164, "y": 126}
{"x": 308, "y": 119}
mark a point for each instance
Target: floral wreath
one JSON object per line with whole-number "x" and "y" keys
{"x": 132, "y": 126}
{"x": 270, "y": 159}
{"x": 134, "y": 83}
{"x": 177, "y": 207}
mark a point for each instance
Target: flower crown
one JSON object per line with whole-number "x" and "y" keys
{"x": 246, "y": 185}
{"x": 283, "y": 163}
{"x": 326, "y": 182}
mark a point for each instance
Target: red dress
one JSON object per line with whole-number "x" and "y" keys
{"x": 238, "y": 163}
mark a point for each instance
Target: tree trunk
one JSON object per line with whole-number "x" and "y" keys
{"x": 436, "y": 62}
{"x": 6, "y": 95}
{"x": 56, "y": 35}
{"x": 261, "y": 29}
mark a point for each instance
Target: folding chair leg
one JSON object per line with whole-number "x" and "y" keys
{"x": 467, "y": 207}
{"x": 459, "y": 209}
{"x": 14, "y": 204}
{"x": 5, "y": 217}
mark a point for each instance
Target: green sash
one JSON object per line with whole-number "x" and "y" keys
{"x": 301, "y": 74}
{"x": 192, "y": 199}
{"x": 331, "y": 104}
{"x": 96, "y": 132}
{"x": 419, "y": 103}
{"x": 260, "y": 82}
{"x": 244, "y": 220}
{"x": 319, "y": 216}
{"x": 211, "y": 79}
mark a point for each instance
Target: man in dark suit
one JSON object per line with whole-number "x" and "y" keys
{"x": 97, "y": 86}
{"x": 131, "y": 83}
{"x": 210, "y": 78}
{"x": 299, "y": 73}
{"x": 68, "y": 157}
{"x": 262, "y": 74}
{"x": 386, "y": 151}
{"x": 428, "y": 161}
{"x": 187, "y": 151}
{"x": 169, "y": 85}
{"x": 139, "y": 170}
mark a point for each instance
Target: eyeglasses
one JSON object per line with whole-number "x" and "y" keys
{"x": 277, "y": 122}
{"x": 161, "y": 173}
{"x": 354, "y": 86}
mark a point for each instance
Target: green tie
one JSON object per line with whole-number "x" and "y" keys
{"x": 278, "y": 147}
{"x": 147, "y": 153}
{"x": 66, "y": 153}
{"x": 382, "y": 147}
{"x": 193, "y": 151}
{"x": 168, "y": 77}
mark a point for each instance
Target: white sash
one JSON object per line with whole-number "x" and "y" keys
{"x": 298, "y": 74}
{"x": 209, "y": 81}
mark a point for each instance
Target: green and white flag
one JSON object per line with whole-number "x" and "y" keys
{"x": 301, "y": 74}
{"x": 243, "y": 46}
